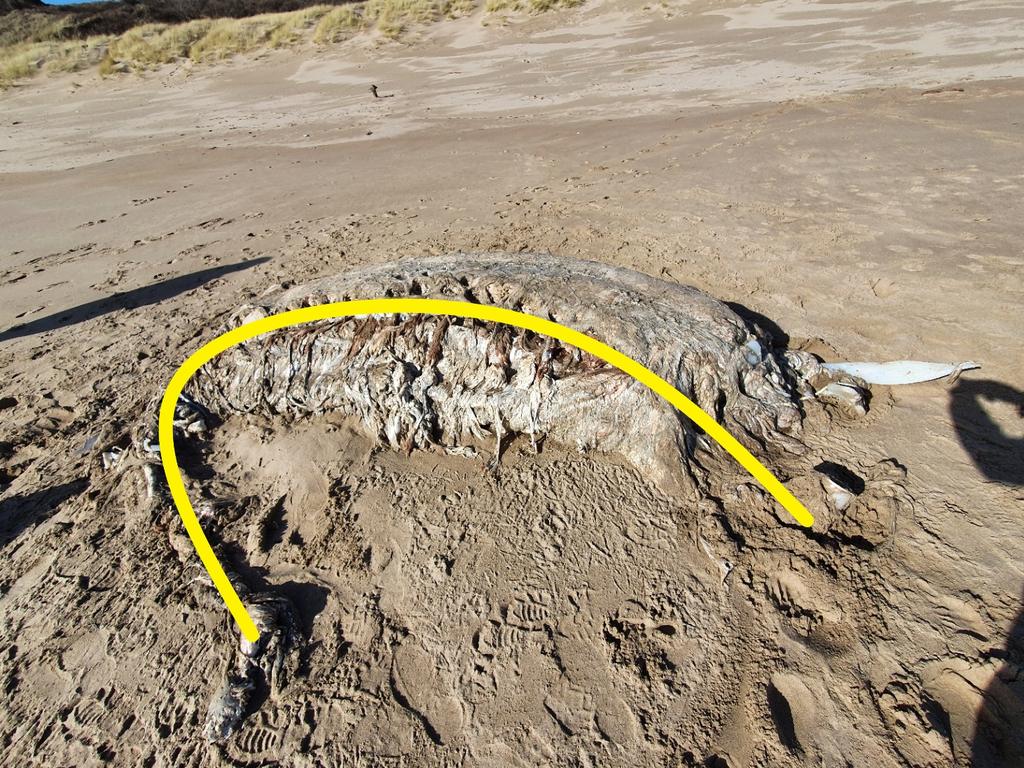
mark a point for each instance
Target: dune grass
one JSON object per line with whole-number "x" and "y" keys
{"x": 154, "y": 44}
{"x": 17, "y": 64}
{"x": 26, "y": 27}
{"x": 340, "y": 24}
{"x": 25, "y": 60}
{"x": 528, "y": 6}
{"x": 295, "y": 27}
{"x": 228, "y": 37}
{"x": 393, "y": 17}
{"x": 456, "y": 9}
{"x": 201, "y": 40}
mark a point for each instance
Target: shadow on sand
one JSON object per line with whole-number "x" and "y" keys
{"x": 997, "y": 451}
{"x": 24, "y": 511}
{"x": 999, "y": 727}
{"x": 137, "y": 297}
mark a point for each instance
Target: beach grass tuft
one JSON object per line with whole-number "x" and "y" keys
{"x": 339, "y": 24}
{"x": 42, "y": 47}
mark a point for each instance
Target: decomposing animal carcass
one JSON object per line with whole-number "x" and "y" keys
{"x": 421, "y": 381}
{"x": 449, "y": 383}
{"x": 425, "y": 381}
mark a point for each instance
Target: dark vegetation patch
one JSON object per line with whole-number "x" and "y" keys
{"x": 32, "y": 21}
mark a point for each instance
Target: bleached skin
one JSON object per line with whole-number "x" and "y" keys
{"x": 422, "y": 382}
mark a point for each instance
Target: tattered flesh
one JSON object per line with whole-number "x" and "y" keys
{"x": 422, "y": 381}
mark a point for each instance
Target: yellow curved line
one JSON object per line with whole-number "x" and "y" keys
{"x": 420, "y": 306}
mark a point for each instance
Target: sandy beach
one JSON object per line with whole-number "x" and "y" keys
{"x": 847, "y": 177}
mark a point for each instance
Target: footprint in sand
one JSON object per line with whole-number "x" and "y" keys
{"x": 420, "y": 688}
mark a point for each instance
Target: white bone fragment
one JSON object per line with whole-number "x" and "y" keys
{"x": 112, "y": 457}
{"x": 901, "y": 371}
{"x": 841, "y": 497}
{"x": 846, "y": 395}
{"x": 149, "y": 471}
{"x": 752, "y": 352}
